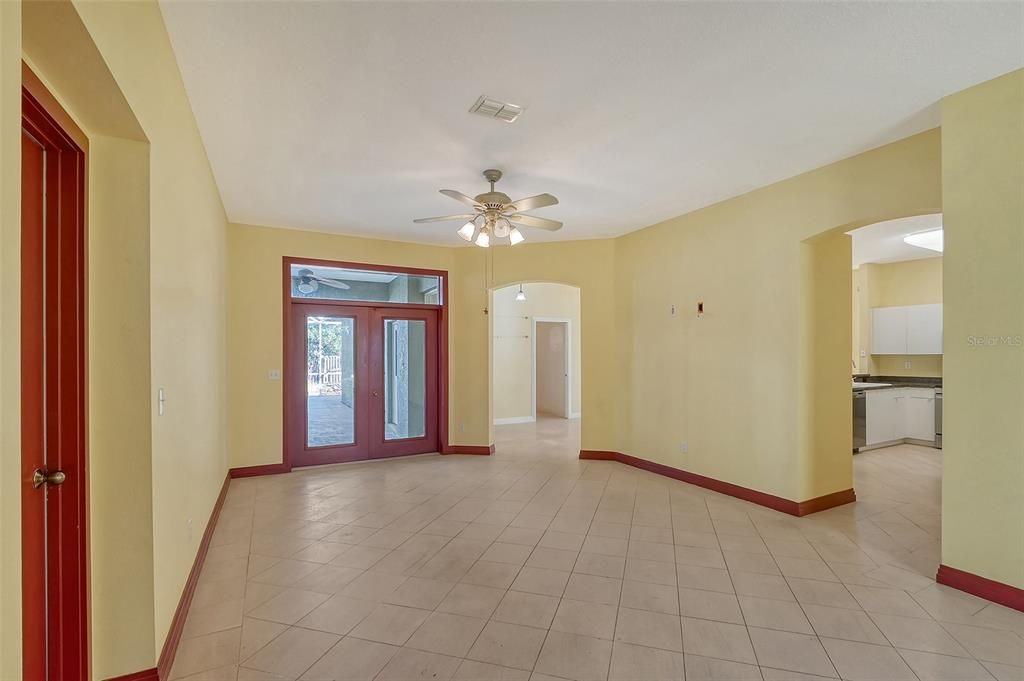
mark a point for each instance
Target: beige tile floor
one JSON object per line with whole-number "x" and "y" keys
{"x": 534, "y": 565}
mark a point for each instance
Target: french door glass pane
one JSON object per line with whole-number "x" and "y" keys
{"x": 405, "y": 374}
{"x": 330, "y": 381}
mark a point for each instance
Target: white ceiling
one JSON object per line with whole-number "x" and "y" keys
{"x": 349, "y": 116}
{"x": 883, "y": 241}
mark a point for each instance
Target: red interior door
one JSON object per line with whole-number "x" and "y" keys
{"x": 362, "y": 383}
{"x": 53, "y": 400}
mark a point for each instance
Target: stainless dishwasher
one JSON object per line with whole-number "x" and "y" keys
{"x": 860, "y": 421}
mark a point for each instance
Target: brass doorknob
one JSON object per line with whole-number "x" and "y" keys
{"x": 376, "y": 394}
{"x": 52, "y": 478}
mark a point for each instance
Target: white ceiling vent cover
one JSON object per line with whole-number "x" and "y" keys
{"x": 493, "y": 108}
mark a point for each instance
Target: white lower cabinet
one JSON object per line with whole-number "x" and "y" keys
{"x": 884, "y": 415}
{"x": 920, "y": 413}
{"x": 898, "y": 413}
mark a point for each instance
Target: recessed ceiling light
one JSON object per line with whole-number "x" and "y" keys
{"x": 932, "y": 240}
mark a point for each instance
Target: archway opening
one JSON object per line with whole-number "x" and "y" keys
{"x": 536, "y": 372}
{"x": 871, "y": 380}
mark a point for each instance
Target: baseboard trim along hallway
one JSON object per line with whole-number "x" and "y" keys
{"x": 181, "y": 613}
{"x": 982, "y": 587}
{"x": 482, "y": 450}
{"x": 797, "y": 508}
{"x": 253, "y": 471}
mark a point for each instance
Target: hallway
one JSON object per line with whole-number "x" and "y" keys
{"x": 531, "y": 564}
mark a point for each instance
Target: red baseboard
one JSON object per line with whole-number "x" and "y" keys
{"x": 144, "y": 675}
{"x": 982, "y": 587}
{"x": 797, "y": 508}
{"x": 253, "y": 471}
{"x": 468, "y": 449}
{"x": 181, "y": 613}
{"x": 823, "y": 503}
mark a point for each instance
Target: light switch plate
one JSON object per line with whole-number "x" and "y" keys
{"x": 274, "y": 374}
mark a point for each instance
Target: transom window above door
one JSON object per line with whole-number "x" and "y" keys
{"x": 312, "y": 281}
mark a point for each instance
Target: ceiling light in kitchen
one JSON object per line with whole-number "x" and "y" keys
{"x": 932, "y": 240}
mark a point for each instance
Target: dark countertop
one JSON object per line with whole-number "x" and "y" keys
{"x": 901, "y": 382}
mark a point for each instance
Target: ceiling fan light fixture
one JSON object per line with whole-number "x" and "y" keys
{"x": 496, "y": 216}
{"x": 307, "y": 286}
{"x": 467, "y": 231}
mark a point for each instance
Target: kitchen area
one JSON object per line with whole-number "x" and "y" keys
{"x": 897, "y": 334}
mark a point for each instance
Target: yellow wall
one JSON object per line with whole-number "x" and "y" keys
{"x": 825, "y": 428}
{"x": 911, "y": 282}
{"x": 120, "y": 429}
{"x": 748, "y": 387}
{"x": 156, "y": 313}
{"x": 512, "y": 331}
{"x": 727, "y": 384}
{"x": 753, "y": 359}
{"x": 254, "y": 298}
{"x": 587, "y": 265}
{"x": 255, "y": 316}
{"x": 187, "y": 261}
{"x": 10, "y": 346}
{"x": 983, "y": 435}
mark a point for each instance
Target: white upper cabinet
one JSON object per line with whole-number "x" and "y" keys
{"x": 889, "y": 331}
{"x": 906, "y": 330}
{"x": 924, "y": 330}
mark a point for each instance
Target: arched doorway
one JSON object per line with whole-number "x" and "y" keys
{"x": 536, "y": 372}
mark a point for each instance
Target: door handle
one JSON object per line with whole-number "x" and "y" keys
{"x": 375, "y": 393}
{"x": 41, "y": 477}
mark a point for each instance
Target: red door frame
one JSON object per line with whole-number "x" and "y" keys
{"x": 54, "y": 416}
{"x": 287, "y": 304}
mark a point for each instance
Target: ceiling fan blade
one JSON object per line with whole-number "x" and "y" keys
{"x": 539, "y": 201}
{"x": 467, "y": 216}
{"x": 539, "y": 223}
{"x": 459, "y": 196}
{"x": 333, "y": 283}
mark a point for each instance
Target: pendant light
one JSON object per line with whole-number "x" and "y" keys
{"x": 521, "y": 296}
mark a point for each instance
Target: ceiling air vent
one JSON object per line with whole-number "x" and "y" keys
{"x": 492, "y": 108}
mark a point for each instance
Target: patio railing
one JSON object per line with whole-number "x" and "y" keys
{"x": 327, "y": 370}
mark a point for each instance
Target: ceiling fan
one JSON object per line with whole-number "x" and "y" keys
{"x": 497, "y": 216}
{"x": 310, "y": 282}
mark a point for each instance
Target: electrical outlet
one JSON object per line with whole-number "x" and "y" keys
{"x": 672, "y": 310}
{"x": 274, "y": 374}
{"x": 462, "y": 427}
{"x": 906, "y": 365}
{"x": 684, "y": 447}
{"x": 160, "y": 402}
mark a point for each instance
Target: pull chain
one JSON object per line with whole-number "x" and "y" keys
{"x": 488, "y": 280}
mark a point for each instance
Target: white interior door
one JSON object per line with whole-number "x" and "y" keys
{"x": 551, "y": 366}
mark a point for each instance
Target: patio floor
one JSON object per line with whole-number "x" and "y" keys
{"x": 329, "y": 421}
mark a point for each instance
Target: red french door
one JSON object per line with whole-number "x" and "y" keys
{"x": 362, "y": 383}
{"x": 403, "y": 382}
{"x": 53, "y": 397}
